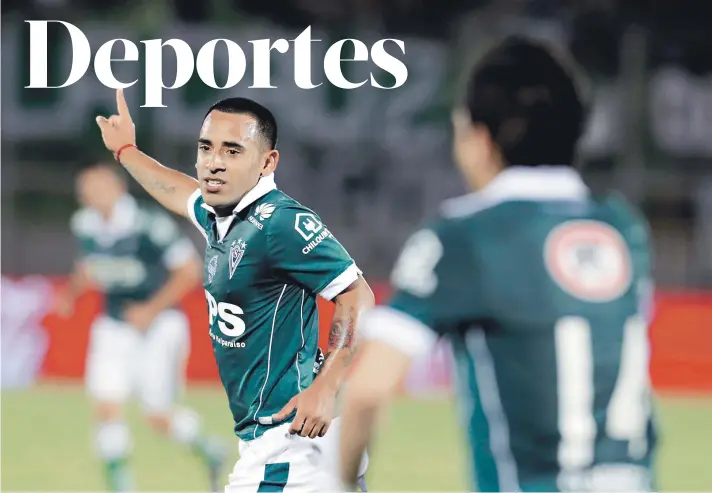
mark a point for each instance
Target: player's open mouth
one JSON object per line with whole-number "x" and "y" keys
{"x": 213, "y": 185}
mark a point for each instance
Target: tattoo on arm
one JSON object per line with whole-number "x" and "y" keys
{"x": 342, "y": 333}
{"x": 343, "y": 328}
{"x": 163, "y": 186}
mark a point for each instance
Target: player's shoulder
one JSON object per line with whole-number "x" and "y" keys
{"x": 461, "y": 223}
{"x": 624, "y": 216}
{"x": 437, "y": 234}
{"x": 85, "y": 222}
{"x": 283, "y": 211}
{"x": 290, "y": 223}
{"x": 282, "y": 202}
{"x": 469, "y": 207}
{"x": 433, "y": 253}
{"x": 274, "y": 202}
{"x": 475, "y": 211}
{"x": 468, "y": 212}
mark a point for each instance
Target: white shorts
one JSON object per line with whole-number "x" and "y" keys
{"x": 278, "y": 461}
{"x": 123, "y": 361}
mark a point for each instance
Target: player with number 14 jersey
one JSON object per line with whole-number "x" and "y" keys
{"x": 542, "y": 288}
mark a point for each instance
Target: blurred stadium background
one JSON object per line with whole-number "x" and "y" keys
{"x": 373, "y": 164}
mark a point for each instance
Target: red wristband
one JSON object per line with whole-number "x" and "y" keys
{"x": 118, "y": 153}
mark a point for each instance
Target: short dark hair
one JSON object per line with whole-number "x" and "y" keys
{"x": 266, "y": 122}
{"x": 529, "y": 102}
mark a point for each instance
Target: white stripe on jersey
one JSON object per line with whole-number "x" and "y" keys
{"x": 507, "y": 475}
{"x": 301, "y": 328}
{"x": 269, "y": 356}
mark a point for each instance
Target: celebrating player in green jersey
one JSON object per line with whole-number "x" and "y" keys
{"x": 267, "y": 259}
{"x": 541, "y": 288}
{"x": 137, "y": 257}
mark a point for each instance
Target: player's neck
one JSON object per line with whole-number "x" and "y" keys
{"x": 229, "y": 209}
{"x": 107, "y": 212}
{"x": 481, "y": 180}
{"x": 225, "y": 210}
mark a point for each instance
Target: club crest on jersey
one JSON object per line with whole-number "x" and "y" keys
{"x": 237, "y": 251}
{"x": 589, "y": 260}
{"x": 212, "y": 268}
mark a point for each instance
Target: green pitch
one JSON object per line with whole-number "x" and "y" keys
{"x": 46, "y": 445}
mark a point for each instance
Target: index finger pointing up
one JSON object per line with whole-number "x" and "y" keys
{"x": 121, "y": 105}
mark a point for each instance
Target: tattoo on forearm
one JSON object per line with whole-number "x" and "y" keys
{"x": 162, "y": 186}
{"x": 343, "y": 328}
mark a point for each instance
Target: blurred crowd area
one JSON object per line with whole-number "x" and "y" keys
{"x": 374, "y": 164}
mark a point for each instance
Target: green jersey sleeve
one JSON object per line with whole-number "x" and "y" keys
{"x": 433, "y": 279}
{"x": 305, "y": 252}
{"x": 434, "y": 293}
{"x": 198, "y": 214}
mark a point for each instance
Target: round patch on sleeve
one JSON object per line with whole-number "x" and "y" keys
{"x": 589, "y": 260}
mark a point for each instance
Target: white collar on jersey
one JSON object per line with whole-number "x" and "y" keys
{"x": 123, "y": 217}
{"x": 540, "y": 183}
{"x": 264, "y": 186}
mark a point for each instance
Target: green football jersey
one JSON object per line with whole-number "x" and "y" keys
{"x": 543, "y": 292}
{"x": 129, "y": 255}
{"x": 264, "y": 267}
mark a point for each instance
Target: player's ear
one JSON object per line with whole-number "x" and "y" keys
{"x": 270, "y": 162}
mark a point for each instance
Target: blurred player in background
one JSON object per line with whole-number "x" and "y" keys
{"x": 138, "y": 258}
{"x": 542, "y": 289}
{"x": 267, "y": 259}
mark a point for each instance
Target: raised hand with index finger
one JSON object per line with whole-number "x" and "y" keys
{"x": 118, "y": 131}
